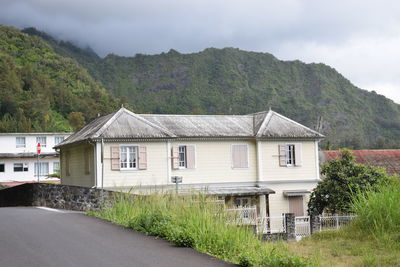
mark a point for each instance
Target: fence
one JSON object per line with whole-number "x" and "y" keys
{"x": 271, "y": 225}
{"x": 334, "y": 222}
{"x": 302, "y": 226}
{"x": 244, "y": 215}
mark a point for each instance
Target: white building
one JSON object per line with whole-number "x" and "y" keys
{"x": 262, "y": 159}
{"x": 18, "y": 155}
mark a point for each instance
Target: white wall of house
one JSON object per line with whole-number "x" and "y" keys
{"x": 8, "y": 145}
{"x": 30, "y": 175}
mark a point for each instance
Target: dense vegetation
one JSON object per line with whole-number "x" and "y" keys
{"x": 371, "y": 240}
{"x": 43, "y": 91}
{"x": 231, "y": 81}
{"x": 197, "y": 221}
{"x": 343, "y": 177}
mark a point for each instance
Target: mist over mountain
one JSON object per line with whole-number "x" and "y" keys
{"x": 232, "y": 81}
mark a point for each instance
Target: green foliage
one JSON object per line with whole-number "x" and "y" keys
{"x": 39, "y": 88}
{"x": 378, "y": 212}
{"x": 196, "y": 221}
{"x": 342, "y": 178}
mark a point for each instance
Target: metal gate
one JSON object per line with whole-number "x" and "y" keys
{"x": 302, "y": 226}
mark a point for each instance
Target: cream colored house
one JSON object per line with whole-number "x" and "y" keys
{"x": 262, "y": 159}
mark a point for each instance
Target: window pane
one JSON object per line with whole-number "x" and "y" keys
{"x": 56, "y": 166}
{"x": 182, "y": 156}
{"x": 20, "y": 141}
{"x": 58, "y": 139}
{"x": 18, "y": 167}
{"x": 1, "y": 167}
{"x": 41, "y": 140}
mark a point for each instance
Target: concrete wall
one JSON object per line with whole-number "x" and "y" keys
{"x": 8, "y": 142}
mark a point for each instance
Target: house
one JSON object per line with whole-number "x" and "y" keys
{"x": 262, "y": 159}
{"x": 386, "y": 158}
{"x": 18, "y": 156}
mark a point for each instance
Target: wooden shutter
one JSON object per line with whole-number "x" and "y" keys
{"x": 175, "y": 157}
{"x": 282, "y": 155}
{"x": 115, "y": 164}
{"x": 142, "y": 158}
{"x": 296, "y": 205}
{"x": 240, "y": 156}
{"x": 190, "y": 157}
{"x": 297, "y": 154}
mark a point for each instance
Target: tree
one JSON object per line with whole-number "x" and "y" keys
{"x": 342, "y": 177}
{"x": 76, "y": 120}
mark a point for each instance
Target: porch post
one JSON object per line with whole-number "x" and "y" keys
{"x": 263, "y": 206}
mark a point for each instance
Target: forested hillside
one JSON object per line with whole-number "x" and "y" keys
{"x": 231, "y": 81}
{"x": 43, "y": 91}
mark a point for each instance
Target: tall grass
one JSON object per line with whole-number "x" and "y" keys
{"x": 378, "y": 211}
{"x": 196, "y": 221}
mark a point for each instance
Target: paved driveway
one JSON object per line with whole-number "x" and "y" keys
{"x": 41, "y": 237}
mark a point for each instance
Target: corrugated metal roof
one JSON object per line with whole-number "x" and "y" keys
{"x": 125, "y": 124}
{"x": 386, "y": 158}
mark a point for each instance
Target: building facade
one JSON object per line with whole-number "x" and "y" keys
{"x": 18, "y": 156}
{"x": 262, "y": 159}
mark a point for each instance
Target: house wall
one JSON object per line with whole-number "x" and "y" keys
{"x": 8, "y": 142}
{"x": 273, "y": 172}
{"x": 77, "y": 169}
{"x": 9, "y": 174}
{"x": 278, "y": 203}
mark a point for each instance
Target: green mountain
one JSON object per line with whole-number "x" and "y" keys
{"x": 41, "y": 90}
{"x": 231, "y": 81}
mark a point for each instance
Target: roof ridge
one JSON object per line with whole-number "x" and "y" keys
{"x": 295, "y": 122}
{"x": 108, "y": 123}
{"x": 264, "y": 124}
{"x": 195, "y": 115}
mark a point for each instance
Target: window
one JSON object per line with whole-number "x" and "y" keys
{"x": 20, "y": 141}
{"x": 290, "y": 155}
{"x": 41, "y": 140}
{"x": 20, "y": 167}
{"x": 128, "y": 158}
{"x": 182, "y": 156}
{"x": 2, "y": 169}
{"x": 58, "y": 139}
{"x": 240, "y": 157}
{"x": 242, "y": 201}
{"x": 56, "y": 167}
{"x": 43, "y": 168}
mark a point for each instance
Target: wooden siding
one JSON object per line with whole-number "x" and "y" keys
{"x": 272, "y": 171}
{"x": 78, "y": 172}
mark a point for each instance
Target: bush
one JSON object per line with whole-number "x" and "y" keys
{"x": 198, "y": 222}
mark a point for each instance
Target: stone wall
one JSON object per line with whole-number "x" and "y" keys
{"x": 55, "y": 196}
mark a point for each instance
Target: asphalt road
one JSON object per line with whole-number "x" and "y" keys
{"x": 38, "y": 237}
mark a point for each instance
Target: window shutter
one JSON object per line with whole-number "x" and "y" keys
{"x": 240, "y": 156}
{"x": 142, "y": 158}
{"x": 115, "y": 164}
{"x": 175, "y": 157}
{"x": 282, "y": 155}
{"x": 297, "y": 154}
{"x": 190, "y": 157}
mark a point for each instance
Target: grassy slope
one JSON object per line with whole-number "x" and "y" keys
{"x": 39, "y": 88}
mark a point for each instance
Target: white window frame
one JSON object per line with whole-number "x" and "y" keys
{"x": 54, "y": 166}
{"x": 39, "y": 139}
{"x": 57, "y": 138}
{"x": 40, "y": 169}
{"x": 128, "y": 155}
{"x": 182, "y": 164}
{"x": 25, "y": 166}
{"x": 4, "y": 167}
{"x": 248, "y": 156}
{"x": 290, "y": 155}
{"x": 17, "y": 145}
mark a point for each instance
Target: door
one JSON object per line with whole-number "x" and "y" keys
{"x": 296, "y": 205}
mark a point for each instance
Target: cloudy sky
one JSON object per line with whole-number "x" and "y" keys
{"x": 359, "y": 38}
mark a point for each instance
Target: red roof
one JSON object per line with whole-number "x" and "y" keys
{"x": 386, "y": 158}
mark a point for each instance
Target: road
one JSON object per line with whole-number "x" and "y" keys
{"x": 32, "y": 236}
